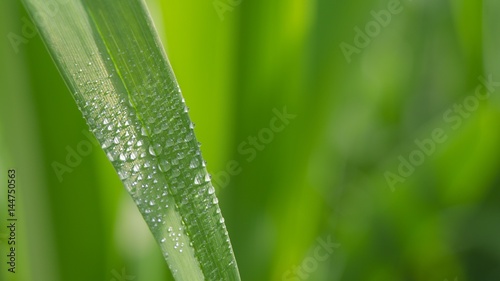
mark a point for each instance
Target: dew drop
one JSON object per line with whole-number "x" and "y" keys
{"x": 176, "y": 172}
{"x": 198, "y": 179}
{"x": 164, "y": 126}
{"x": 164, "y": 165}
{"x": 169, "y": 143}
{"x": 194, "y": 163}
{"x": 155, "y": 150}
{"x": 123, "y": 157}
{"x": 136, "y": 168}
{"x": 106, "y": 144}
{"x": 211, "y": 190}
{"x": 133, "y": 156}
{"x": 110, "y": 157}
{"x": 123, "y": 174}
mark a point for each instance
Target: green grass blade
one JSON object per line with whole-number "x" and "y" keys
{"x": 491, "y": 40}
{"x": 110, "y": 56}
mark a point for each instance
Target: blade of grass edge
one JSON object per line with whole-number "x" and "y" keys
{"x": 113, "y": 62}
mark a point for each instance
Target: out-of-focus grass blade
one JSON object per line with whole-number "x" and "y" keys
{"x": 19, "y": 150}
{"x": 112, "y": 60}
{"x": 491, "y": 40}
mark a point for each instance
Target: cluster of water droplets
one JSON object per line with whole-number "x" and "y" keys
{"x": 174, "y": 236}
{"x": 146, "y": 133}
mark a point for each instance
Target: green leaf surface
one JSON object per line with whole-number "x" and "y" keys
{"x": 111, "y": 58}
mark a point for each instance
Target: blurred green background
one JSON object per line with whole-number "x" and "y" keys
{"x": 321, "y": 180}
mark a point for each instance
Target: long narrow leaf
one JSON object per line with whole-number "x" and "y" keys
{"x": 110, "y": 56}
